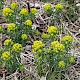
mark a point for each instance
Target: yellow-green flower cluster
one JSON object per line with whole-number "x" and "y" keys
{"x": 44, "y": 36}
{"x": 57, "y": 47}
{"x": 24, "y": 12}
{"x": 28, "y": 23}
{"x": 11, "y": 27}
{"x": 71, "y": 59}
{"x": 67, "y": 39}
{"x": 17, "y": 47}
{"x": 61, "y": 64}
{"x": 59, "y": 6}
{"x": 14, "y": 5}
{"x": 33, "y": 11}
{"x": 7, "y": 12}
{"x": 6, "y": 56}
{"x": 24, "y": 36}
{"x": 8, "y": 42}
{"x": 52, "y": 29}
{"x": 37, "y": 45}
{"x": 47, "y": 7}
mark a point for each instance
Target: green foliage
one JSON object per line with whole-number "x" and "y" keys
{"x": 53, "y": 58}
{"x": 1, "y": 6}
{"x": 18, "y": 24}
{"x": 47, "y": 0}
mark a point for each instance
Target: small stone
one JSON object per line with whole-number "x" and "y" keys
{"x": 37, "y": 5}
{"x": 35, "y": 26}
{"x": 28, "y": 47}
{"x": 2, "y": 21}
{"x": 78, "y": 4}
{"x": 31, "y": 5}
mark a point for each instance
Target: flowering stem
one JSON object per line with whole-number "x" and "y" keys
{"x": 59, "y": 76}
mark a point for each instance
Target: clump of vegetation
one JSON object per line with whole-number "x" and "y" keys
{"x": 52, "y": 58}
